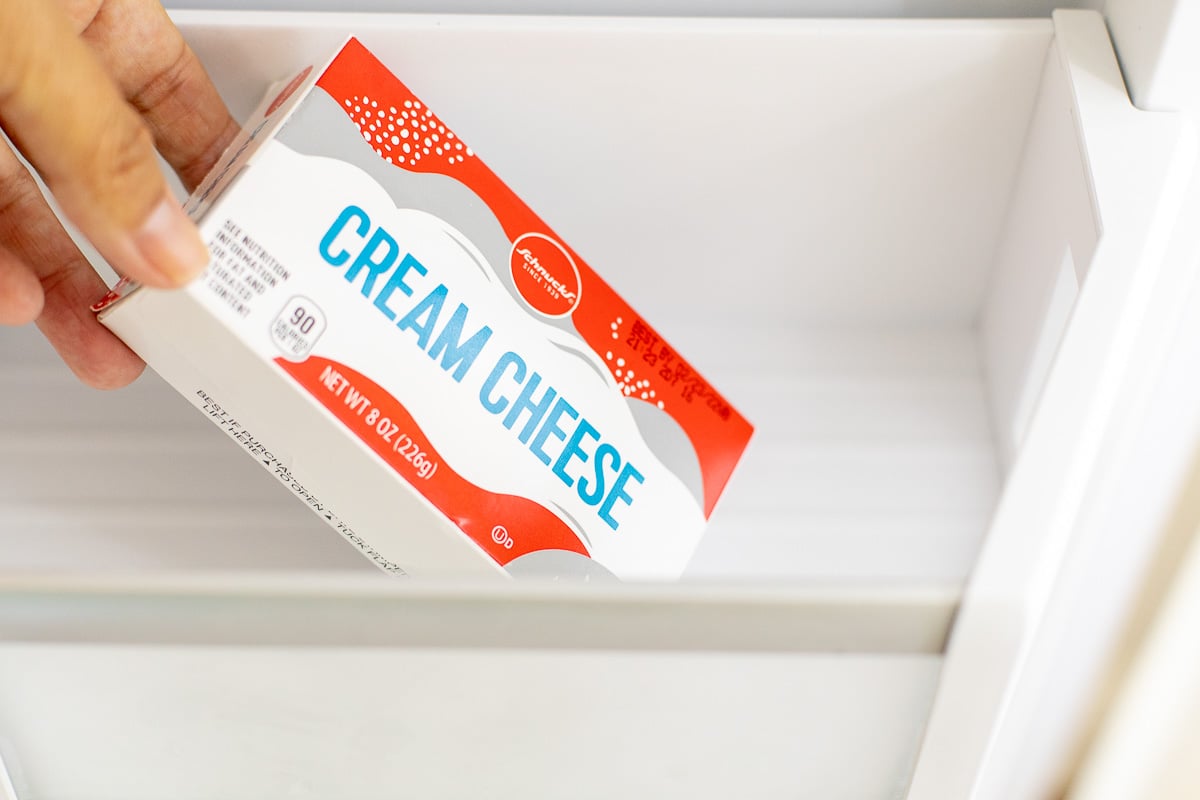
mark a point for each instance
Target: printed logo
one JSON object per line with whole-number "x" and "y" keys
{"x": 545, "y": 275}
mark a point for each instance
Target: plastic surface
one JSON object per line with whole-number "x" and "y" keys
{"x": 856, "y": 354}
{"x": 1156, "y": 42}
{"x": 243, "y": 724}
{"x": 856, "y": 221}
{"x": 990, "y": 702}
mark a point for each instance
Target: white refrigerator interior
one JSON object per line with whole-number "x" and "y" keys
{"x": 913, "y": 253}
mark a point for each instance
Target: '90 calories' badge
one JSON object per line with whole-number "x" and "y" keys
{"x": 297, "y": 328}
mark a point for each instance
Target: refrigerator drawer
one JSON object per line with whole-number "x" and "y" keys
{"x": 914, "y": 253}
{"x": 265, "y": 686}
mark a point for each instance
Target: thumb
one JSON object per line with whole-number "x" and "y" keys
{"x": 66, "y": 115}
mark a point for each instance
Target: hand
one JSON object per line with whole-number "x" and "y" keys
{"x": 88, "y": 90}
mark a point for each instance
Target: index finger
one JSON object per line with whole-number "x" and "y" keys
{"x": 68, "y": 118}
{"x": 162, "y": 78}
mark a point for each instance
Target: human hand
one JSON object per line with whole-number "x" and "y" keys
{"x": 88, "y": 90}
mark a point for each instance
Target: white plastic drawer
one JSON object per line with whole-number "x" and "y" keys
{"x": 260, "y": 686}
{"x": 911, "y": 251}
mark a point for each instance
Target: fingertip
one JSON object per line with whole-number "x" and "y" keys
{"x": 93, "y": 353}
{"x": 169, "y": 246}
{"x": 112, "y": 374}
{"x": 20, "y": 308}
{"x": 21, "y": 296}
{"x": 102, "y": 361}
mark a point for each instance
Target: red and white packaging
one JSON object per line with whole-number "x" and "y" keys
{"x": 420, "y": 358}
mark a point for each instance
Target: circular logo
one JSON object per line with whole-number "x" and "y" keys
{"x": 500, "y": 536}
{"x": 545, "y": 275}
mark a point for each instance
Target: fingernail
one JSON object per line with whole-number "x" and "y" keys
{"x": 171, "y": 243}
